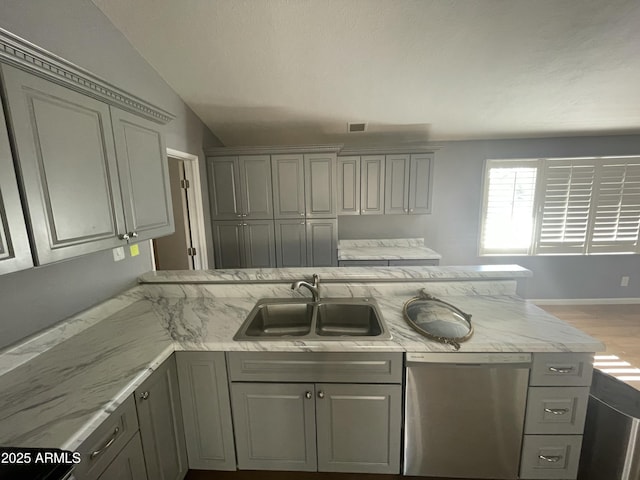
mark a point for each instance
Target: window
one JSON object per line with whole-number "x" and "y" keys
{"x": 561, "y": 206}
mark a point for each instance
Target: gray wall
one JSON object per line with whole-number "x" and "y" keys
{"x": 78, "y": 31}
{"x": 452, "y": 229}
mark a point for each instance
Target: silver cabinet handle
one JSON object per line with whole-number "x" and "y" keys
{"x": 133, "y": 234}
{"x": 123, "y": 236}
{"x": 405, "y": 210}
{"x": 301, "y": 223}
{"x": 116, "y": 431}
{"x": 244, "y": 224}
{"x": 302, "y": 214}
{"x": 308, "y": 395}
{"x": 239, "y": 215}
{"x": 561, "y": 369}
{"x": 144, "y": 395}
{"x": 557, "y": 411}
{"x": 320, "y": 394}
{"x": 550, "y": 458}
{"x": 411, "y": 210}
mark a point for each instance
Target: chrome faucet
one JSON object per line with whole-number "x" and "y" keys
{"x": 313, "y": 288}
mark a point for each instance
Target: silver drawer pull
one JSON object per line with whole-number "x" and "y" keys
{"x": 557, "y": 411}
{"x": 550, "y": 458}
{"x": 561, "y": 369}
{"x": 116, "y": 431}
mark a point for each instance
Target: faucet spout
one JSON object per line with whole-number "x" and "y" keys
{"x": 313, "y": 288}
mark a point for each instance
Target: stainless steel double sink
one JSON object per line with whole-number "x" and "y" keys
{"x": 303, "y": 319}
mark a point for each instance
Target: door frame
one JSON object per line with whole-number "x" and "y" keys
{"x": 196, "y": 210}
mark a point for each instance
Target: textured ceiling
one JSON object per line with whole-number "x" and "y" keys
{"x": 261, "y": 72}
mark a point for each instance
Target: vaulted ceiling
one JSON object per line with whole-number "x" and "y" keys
{"x": 264, "y": 72}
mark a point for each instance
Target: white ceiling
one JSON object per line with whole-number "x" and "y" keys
{"x": 261, "y": 72}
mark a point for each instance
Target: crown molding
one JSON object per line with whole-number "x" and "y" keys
{"x": 25, "y": 55}
{"x": 390, "y": 149}
{"x": 271, "y": 150}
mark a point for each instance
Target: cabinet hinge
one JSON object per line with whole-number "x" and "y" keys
{"x": 191, "y": 251}
{"x": 184, "y": 183}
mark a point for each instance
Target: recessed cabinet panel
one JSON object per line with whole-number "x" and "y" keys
{"x": 372, "y": 185}
{"x": 65, "y": 149}
{"x": 420, "y": 184}
{"x": 348, "y": 185}
{"x": 291, "y": 243}
{"x": 274, "y": 426}
{"x": 322, "y": 243}
{"x": 144, "y": 173}
{"x": 288, "y": 186}
{"x": 15, "y": 253}
{"x": 320, "y": 185}
{"x": 396, "y": 196}
{"x": 224, "y": 187}
{"x": 228, "y": 244}
{"x": 255, "y": 180}
{"x": 128, "y": 465}
{"x": 259, "y": 244}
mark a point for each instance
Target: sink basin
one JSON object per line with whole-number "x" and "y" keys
{"x": 302, "y": 319}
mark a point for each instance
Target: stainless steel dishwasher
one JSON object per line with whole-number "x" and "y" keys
{"x": 464, "y": 414}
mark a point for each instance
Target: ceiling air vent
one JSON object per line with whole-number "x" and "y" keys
{"x": 356, "y": 127}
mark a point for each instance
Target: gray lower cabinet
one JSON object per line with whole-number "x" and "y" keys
{"x": 288, "y": 176}
{"x": 15, "y": 253}
{"x": 291, "y": 243}
{"x": 206, "y": 410}
{"x": 392, "y": 263}
{"x": 128, "y": 464}
{"x": 244, "y": 244}
{"x": 161, "y": 425}
{"x": 322, "y": 242}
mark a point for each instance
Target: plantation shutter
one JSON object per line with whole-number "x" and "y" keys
{"x": 566, "y": 205}
{"x": 616, "y": 222}
{"x": 508, "y": 207}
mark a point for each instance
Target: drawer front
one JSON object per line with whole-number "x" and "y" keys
{"x": 106, "y": 441}
{"x": 561, "y": 369}
{"x": 315, "y": 367}
{"x": 556, "y": 410}
{"x": 550, "y": 456}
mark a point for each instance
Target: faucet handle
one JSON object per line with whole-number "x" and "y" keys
{"x": 316, "y": 280}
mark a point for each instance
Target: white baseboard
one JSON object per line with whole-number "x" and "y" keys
{"x": 585, "y": 301}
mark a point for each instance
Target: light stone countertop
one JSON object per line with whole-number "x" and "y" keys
{"x": 386, "y": 249}
{"x": 58, "y": 398}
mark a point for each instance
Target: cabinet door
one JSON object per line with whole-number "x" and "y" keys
{"x": 144, "y": 175}
{"x": 206, "y": 410}
{"x": 274, "y": 425}
{"x": 259, "y": 244}
{"x": 320, "y": 185}
{"x": 255, "y": 186}
{"x": 128, "y": 465}
{"x": 358, "y": 428}
{"x": 228, "y": 245}
{"x": 291, "y": 243}
{"x": 161, "y": 426}
{"x": 15, "y": 253}
{"x": 224, "y": 188}
{"x": 322, "y": 243}
{"x": 65, "y": 150}
{"x": 288, "y": 186}
{"x": 420, "y": 183}
{"x": 348, "y": 185}
{"x": 396, "y": 192}
{"x": 372, "y": 185}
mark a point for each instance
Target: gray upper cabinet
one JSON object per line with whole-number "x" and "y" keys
{"x": 291, "y": 243}
{"x": 144, "y": 175}
{"x": 396, "y": 194}
{"x": 348, "y": 189}
{"x": 322, "y": 242}
{"x": 206, "y": 408}
{"x": 320, "y": 185}
{"x": 240, "y": 187}
{"x": 161, "y": 426}
{"x": 65, "y": 149}
{"x": 358, "y": 428}
{"x": 15, "y": 253}
{"x": 420, "y": 179}
{"x": 288, "y": 186}
{"x": 372, "y": 184}
{"x": 274, "y": 426}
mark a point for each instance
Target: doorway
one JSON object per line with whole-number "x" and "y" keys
{"x": 185, "y": 249}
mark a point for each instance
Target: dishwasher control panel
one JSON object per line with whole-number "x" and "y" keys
{"x": 469, "y": 358}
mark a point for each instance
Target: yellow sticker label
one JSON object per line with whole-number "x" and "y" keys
{"x": 135, "y": 250}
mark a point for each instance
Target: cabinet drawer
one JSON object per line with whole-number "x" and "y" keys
{"x": 561, "y": 369}
{"x": 550, "y": 456}
{"x": 106, "y": 441}
{"x": 315, "y": 367}
{"x": 559, "y": 410}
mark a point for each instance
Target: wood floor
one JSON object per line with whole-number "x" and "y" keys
{"x": 618, "y": 326}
